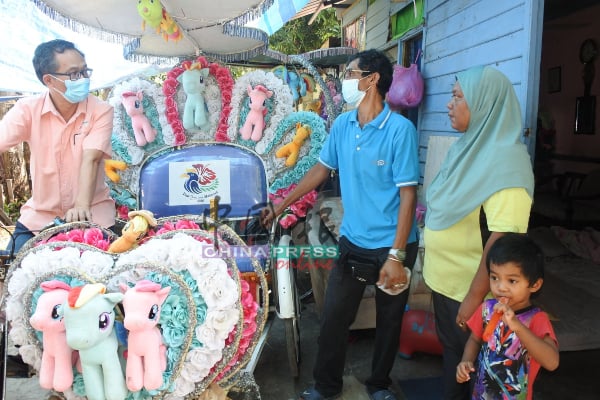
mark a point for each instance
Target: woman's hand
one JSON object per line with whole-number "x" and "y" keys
{"x": 466, "y": 309}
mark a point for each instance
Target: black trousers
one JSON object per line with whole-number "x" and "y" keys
{"x": 453, "y": 341}
{"x": 342, "y": 299}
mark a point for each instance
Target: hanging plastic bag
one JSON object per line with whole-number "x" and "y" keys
{"x": 407, "y": 87}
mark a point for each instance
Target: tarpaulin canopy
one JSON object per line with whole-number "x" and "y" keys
{"x": 24, "y": 27}
{"x": 217, "y": 29}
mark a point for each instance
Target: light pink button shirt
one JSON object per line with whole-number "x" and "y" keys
{"x": 56, "y": 154}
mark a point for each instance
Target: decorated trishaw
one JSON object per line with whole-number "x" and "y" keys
{"x": 177, "y": 305}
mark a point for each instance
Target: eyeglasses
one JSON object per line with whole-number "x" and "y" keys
{"x": 84, "y": 73}
{"x": 349, "y": 72}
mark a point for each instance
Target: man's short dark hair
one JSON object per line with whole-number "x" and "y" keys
{"x": 376, "y": 61}
{"x": 521, "y": 250}
{"x": 44, "y": 60}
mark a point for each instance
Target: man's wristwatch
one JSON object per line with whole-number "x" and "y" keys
{"x": 400, "y": 254}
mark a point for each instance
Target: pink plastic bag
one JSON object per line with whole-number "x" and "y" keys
{"x": 407, "y": 87}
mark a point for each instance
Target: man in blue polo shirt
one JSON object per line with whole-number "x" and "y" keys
{"x": 375, "y": 152}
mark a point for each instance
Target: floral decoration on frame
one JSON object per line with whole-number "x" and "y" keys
{"x": 216, "y": 95}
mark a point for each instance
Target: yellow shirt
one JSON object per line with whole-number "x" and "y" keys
{"x": 452, "y": 255}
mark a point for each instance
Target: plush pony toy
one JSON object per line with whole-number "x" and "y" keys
{"x": 111, "y": 167}
{"x": 193, "y": 80}
{"x": 89, "y": 320}
{"x": 255, "y": 120}
{"x": 133, "y": 231}
{"x": 314, "y": 106}
{"x": 297, "y": 84}
{"x": 292, "y": 149}
{"x": 146, "y": 353}
{"x": 56, "y": 370}
{"x": 142, "y": 129}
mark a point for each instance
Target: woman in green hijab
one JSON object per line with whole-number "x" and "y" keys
{"x": 486, "y": 168}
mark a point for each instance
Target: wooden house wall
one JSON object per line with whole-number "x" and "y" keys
{"x": 460, "y": 34}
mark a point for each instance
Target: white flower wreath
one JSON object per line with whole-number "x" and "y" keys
{"x": 124, "y": 146}
{"x": 217, "y": 288}
{"x": 282, "y": 105}
{"x": 120, "y": 133}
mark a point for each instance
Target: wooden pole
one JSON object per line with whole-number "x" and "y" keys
{"x": 10, "y": 190}
{"x": 4, "y": 218}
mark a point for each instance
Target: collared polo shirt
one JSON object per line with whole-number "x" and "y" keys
{"x": 373, "y": 163}
{"x": 57, "y": 148}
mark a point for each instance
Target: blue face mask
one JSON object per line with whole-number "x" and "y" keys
{"x": 77, "y": 91}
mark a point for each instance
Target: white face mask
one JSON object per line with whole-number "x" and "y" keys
{"x": 351, "y": 93}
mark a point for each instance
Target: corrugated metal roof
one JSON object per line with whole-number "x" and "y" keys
{"x": 316, "y": 6}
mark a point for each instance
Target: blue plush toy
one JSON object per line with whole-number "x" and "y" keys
{"x": 89, "y": 319}
{"x": 193, "y": 80}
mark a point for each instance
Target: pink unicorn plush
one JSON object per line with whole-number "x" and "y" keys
{"x": 255, "y": 120}
{"x": 56, "y": 370}
{"x": 142, "y": 129}
{"x": 146, "y": 353}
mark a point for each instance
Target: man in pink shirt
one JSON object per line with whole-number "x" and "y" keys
{"x": 68, "y": 132}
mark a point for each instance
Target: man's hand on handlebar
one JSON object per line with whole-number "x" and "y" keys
{"x": 267, "y": 215}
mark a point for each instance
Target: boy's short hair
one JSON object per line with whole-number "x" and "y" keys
{"x": 519, "y": 249}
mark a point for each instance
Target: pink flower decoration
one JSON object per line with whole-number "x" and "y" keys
{"x": 76, "y": 235}
{"x": 167, "y": 227}
{"x": 186, "y": 224}
{"x": 92, "y": 236}
{"x": 310, "y": 198}
{"x": 203, "y": 239}
{"x": 170, "y": 103}
{"x": 102, "y": 244}
{"x": 61, "y": 237}
{"x": 249, "y": 307}
{"x": 288, "y": 221}
{"x": 122, "y": 212}
{"x": 299, "y": 208}
{"x": 170, "y": 86}
{"x": 180, "y": 139}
